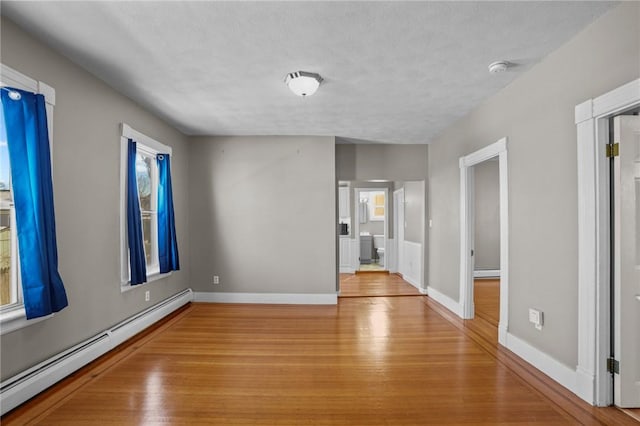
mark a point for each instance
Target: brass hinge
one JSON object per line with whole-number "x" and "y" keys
{"x": 613, "y": 150}
{"x": 613, "y": 365}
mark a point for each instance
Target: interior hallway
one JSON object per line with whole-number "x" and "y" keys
{"x": 378, "y": 283}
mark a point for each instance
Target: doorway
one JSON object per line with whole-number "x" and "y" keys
{"x": 486, "y": 241}
{"x": 602, "y": 310}
{"x": 498, "y": 151}
{"x": 370, "y": 227}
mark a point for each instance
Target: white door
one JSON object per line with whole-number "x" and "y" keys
{"x": 627, "y": 261}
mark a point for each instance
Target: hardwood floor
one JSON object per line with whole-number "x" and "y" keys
{"x": 486, "y": 298}
{"x": 368, "y": 284}
{"x": 365, "y": 361}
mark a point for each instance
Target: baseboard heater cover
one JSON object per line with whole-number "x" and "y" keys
{"x": 19, "y": 388}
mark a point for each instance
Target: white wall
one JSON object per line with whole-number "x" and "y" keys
{"x": 536, "y": 113}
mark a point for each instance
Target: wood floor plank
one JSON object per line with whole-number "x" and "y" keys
{"x": 375, "y": 284}
{"x": 366, "y": 361}
{"x": 486, "y": 299}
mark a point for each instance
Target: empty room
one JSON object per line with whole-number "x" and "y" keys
{"x": 319, "y": 212}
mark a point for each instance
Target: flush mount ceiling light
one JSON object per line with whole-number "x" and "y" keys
{"x": 499, "y": 66}
{"x": 303, "y": 83}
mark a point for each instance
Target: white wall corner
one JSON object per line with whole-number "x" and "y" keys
{"x": 445, "y": 301}
{"x": 543, "y": 362}
{"x": 584, "y": 111}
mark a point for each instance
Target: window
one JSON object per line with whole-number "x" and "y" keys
{"x": 147, "y": 151}
{"x": 12, "y": 311}
{"x": 377, "y": 206}
{"x": 10, "y": 294}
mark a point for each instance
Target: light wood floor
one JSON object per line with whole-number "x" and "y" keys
{"x": 365, "y": 361}
{"x": 368, "y": 284}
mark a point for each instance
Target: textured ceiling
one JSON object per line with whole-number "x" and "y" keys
{"x": 395, "y": 72}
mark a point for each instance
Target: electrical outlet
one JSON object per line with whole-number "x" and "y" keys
{"x": 147, "y": 296}
{"x": 216, "y": 279}
{"x": 536, "y": 317}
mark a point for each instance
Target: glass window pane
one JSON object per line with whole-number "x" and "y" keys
{"x": 143, "y": 174}
{"x": 6, "y": 285}
{"x": 5, "y": 254}
{"x": 146, "y": 235}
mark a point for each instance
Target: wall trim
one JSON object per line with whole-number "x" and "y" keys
{"x": 268, "y": 298}
{"x": 543, "y": 362}
{"x": 486, "y": 273}
{"x": 444, "y": 300}
{"x": 591, "y": 118}
{"x": 19, "y": 388}
{"x": 410, "y": 249}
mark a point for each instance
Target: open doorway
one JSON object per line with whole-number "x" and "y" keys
{"x": 496, "y": 152}
{"x": 486, "y": 240}
{"x": 371, "y": 228}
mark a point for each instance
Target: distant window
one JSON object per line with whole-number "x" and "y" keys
{"x": 377, "y": 206}
{"x": 147, "y": 151}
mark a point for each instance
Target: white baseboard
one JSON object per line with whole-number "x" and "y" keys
{"x": 486, "y": 273}
{"x": 19, "y": 388}
{"x": 445, "y": 301}
{"x": 347, "y": 270}
{"x": 543, "y": 362}
{"x": 585, "y": 386}
{"x": 412, "y": 281}
{"x": 269, "y": 298}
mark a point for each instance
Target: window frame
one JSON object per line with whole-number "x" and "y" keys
{"x": 150, "y": 147}
{"x": 14, "y": 317}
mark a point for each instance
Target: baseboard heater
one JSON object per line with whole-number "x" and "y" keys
{"x": 19, "y": 388}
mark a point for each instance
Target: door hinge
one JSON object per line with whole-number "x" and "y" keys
{"x": 613, "y": 150}
{"x": 613, "y": 365}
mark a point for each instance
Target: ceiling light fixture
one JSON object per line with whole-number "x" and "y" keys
{"x": 499, "y": 66}
{"x": 303, "y": 83}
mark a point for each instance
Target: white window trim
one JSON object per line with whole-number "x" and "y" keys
{"x": 15, "y": 318}
{"x": 151, "y": 146}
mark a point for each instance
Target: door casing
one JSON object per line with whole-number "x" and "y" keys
{"x": 496, "y": 149}
{"x": 593, "y": 382}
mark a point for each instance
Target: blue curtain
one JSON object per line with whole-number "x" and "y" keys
{"x": 137, "y": 260}
{"x": 28, "y": 140}
{"x": 167, "y": 242}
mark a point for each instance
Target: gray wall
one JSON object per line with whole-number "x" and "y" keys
{"x": 536, "y": 113}
{"x": 381, "y": 161}
{"x": 487, "y": 215}
{"x": 263, "y": 214}
{"x": 86, "y": 174}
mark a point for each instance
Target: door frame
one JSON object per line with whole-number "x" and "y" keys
{"x": 496, "y": 149}
{"x": 356, "y": 226}
{"x": 593, "y": 383}
{"x": 398, "y": 224}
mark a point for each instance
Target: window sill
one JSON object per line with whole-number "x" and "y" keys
{"x": 150, "y": 278}
{"x": 15, "y": 319}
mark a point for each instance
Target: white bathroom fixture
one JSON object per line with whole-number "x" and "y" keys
{"x": 378, "y": 245}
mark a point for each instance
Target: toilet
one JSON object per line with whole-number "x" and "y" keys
{"x": 378, "y": 245}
